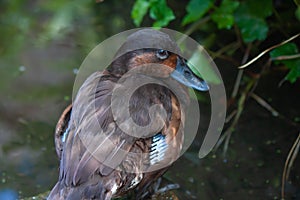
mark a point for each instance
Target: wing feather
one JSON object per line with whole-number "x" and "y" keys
{"x": 93, "y": 146}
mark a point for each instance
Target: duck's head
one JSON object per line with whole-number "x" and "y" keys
{"x": 150, "y": 46}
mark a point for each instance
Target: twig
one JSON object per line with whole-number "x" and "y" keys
{"x": 263, "y": 69}
{"x": 233, "y": 45}
{"x": 240, "y": 73}
{"x": 224, "y": 57}
{"x": 286, "y": 57}
{"x": 289, "y": 163}
{"x": 240, "y": 108}
{"x": 273, "y": 111}
{"x": 239, "y": 37}
{"x": 237, "y": 83}
{"x": 267, "y": 50}
{"x": 230, "y": 116}
{"x": 264, "y": 104}
{"x": 226, "y": 136}
{"x": 192, "y": 28}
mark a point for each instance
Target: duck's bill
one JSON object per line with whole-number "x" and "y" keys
{"x": 184, "y": 75}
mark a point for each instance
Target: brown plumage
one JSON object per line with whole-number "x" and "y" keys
{"x": 98, "y": 159}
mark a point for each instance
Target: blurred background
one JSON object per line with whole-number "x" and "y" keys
{"x": 43, "y": 43}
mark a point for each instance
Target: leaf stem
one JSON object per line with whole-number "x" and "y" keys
{"x": 267, "y": 50}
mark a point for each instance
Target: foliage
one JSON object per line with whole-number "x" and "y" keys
{"x": 250, "y": 18}
{"x": 158, "y": 9}
{"x": 255, "y": 20}
{"x": 223, "y": 15}
{"x": 196, "y": 9}
{"x": 293, "y": 65}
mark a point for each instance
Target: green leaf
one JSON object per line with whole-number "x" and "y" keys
{"x": 201, "y": 64}
{"x": 287, "y": 49}
{"x": 223, "y": 15}
{"x": 253, "y": 28}
{"x": 292, "y": 64}
{"x": 139, "y": 10}
{"x": 297, "y": 2}
{"x": 161, "y": 13}
{"x": 294, "y": 73}
{"x": 196, "y": 9}
{"x": 260, "y": 8}
{"x": 297, "y": 13}
{"x": 250, "y": 18}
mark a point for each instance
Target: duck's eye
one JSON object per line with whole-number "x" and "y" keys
{"x": 162, "y": 54}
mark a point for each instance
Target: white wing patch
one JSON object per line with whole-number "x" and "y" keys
{"x": 65, "y": 134}
{"x": 158, "y": 148}
{"x": 114, "y": 189}
{"x": 135, "y": 181}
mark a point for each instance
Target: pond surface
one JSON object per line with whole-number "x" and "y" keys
{"x": 36, "y": 85}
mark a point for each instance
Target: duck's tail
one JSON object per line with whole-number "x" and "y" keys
{"x": 62, "y": 192}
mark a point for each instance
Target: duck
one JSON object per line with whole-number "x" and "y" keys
{"x": 125, "y": 127}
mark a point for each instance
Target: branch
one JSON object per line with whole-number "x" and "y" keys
{"x": 192, "y": 28}
{"x": 267, "y": 50}
{"x": 240, "y": 72}
{"x": 264, "y": 104}
{"x": 289, "y": 163}
{"x": 286, "y": 57}
{"x": 240, "y": 108}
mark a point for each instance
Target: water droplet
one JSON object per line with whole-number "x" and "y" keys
{"x": 22, "y": 68}
{"x": 278, "y": 151}
{"x": 267, "y": 181}
{"x": 75, "y": 71}
{"x": 66, "y": 98}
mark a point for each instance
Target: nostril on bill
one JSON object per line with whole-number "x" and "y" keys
{"x": 187, "y": 73}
